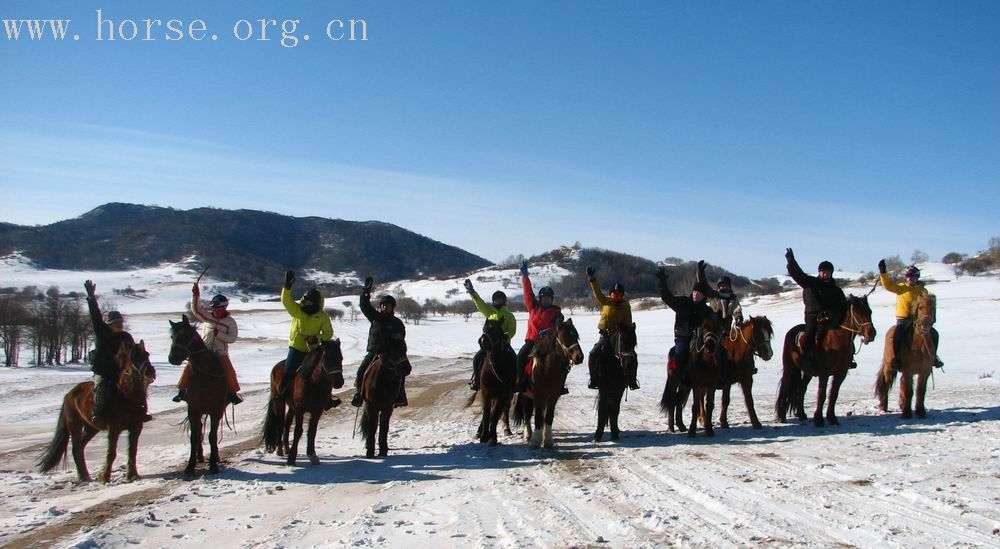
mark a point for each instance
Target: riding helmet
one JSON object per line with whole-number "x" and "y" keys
{"x": 313, "y": 296}
{"x": 113, "y": 316}
{"x": 913, "y": 271}
{"x": 546, "y": 291}
{"x": 219, "y": 301}
{"x": 499, "y": 297}
{"x": 386, "y": 299}
{"x": 618, "y": 287}
{"x": 825, "y": 266}
{"x": 700, "y": 287}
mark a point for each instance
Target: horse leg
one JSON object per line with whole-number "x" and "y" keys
{"x": 695, "y": 411}
{"x": 536, "y": 437}
{"x": 821, "y": 382}
{"x": 311, "y": 438}
{"x": 279, "y": 413}
{"x": 79, "y": 437}
{"x": 105, "y": 476}
{"x": 372, "y": 424}
{"x": 293, "y": 450}
{"x": 602, "y": 415}
{"x": 683, "y": 394}
{"x": 201, "y": 444}
{"x": 133, "y": 450}
{"x": 724, "y": 412}
{"x": 495, "y": 413}
{"x": 616, "y": 407}
{"x": 709, "y": 408}
{"x": 194, "y": 424}
{"x": 383, "y": 431}
{"x": 506, "y": 420}
{"x": 882, "y": 389}
{"x": 550, "y": 415}
{"x": 921, "y": 412}
{"x": 747, "y": 386}
{"x": 800, "y": 399}
{"x": 213, "y": 442}
{"x": 906, "y": 395}
{"x": 831, "y": 413}
{"x": 289, "y": 418}
{"x": 484, "y": 422}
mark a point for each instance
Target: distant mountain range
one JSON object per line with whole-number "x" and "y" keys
{"x": 251, "y": 247}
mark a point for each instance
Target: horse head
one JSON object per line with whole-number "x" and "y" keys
{"x": 184, "y": 341}
{"x": 859, "y": 318}
{"x": 926, "y": 313}
{"x": 707, "y": 335}
{"x": 623, "y": 342}
{"x": 493, "y": 336}
{"x": 568, "y": 339}
{"x": 333, "y": 361}
{"x": 140, "y": 360}
{"x": 760, "y": 336}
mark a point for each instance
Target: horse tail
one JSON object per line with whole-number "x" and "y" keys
{"x": 519, "y": 411}
{"x": 884, "y": 380}
{"x": 472, "y": 398}
{"x": 273, "y": 426}
{"x": 56, "y": 451}
{"x": 788, "y": 388}
{"x": 669, "y": 398}
{"x": 366, "y": 412}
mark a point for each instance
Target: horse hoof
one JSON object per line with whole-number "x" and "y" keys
{"x": 507, "y": 433}
{"x": 213, "y": 470}
{"x": 921, "y": 414}
{"x": 819, "y": 422}
{"x": 189, "y": 473}
{"x": 723, "y": 426}
{"x": 615, "y": 436}
{"x": 133, "y": 477}
{"x": 598, "y": 438}
{"x": 383, "y": 453}
{"x": 906, "y": 414}
{"x": 833, "y": 420}
{"x": 313, "y": 460}
{"x": 370, "y": 455}
{"x": 290, "y": 461}
{"x": 691, "y": 433}
{"x": 201, "y": 459}
{"x": 709, "y": 432}
{"x": 494, "y": 443}
{"x": 757, "y": 425}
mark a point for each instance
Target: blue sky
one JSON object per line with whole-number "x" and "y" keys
{"x": 718, "y": 130}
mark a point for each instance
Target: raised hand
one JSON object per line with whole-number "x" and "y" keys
{"x": 289, "y": 279}
{"x": 701, "y": 265}
{"x": 90, "y": 287}
{"x": 789, "y": 255}
{"x": 524, "y": 268}
{"x": 661, "y": 274}
{"x": 369, "y": 284}
{"x": 881, "y": 266}
{"x": 468, "y": 285}
{"x": 591, "y": 272}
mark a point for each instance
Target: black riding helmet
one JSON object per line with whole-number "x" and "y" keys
{"x": 386, "y": 299}
{"x": 618, "y": 287}
{"x": 499, "y": 298}
{"x": 825, "y": 266}
{"x": 219, "y": 301}
{"x": 547, "y": 291}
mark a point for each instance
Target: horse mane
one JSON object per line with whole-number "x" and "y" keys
{"x": 546, "y": 344}
{"x": 764, "y": 322}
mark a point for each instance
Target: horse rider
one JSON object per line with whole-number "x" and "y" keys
{"x": 218, "y": 330}
{"x": 824, "y": 302}
{"x": 310, "y": 327}
{"x": 907, "y": 295}
{"x": 616, "y": 314}
{"x": 543, "y": 316}
{"x": 690, "y": 313}
{"x": 497, "y": 311}
{"x": 109, "y": 334}
{"x": 386, "y": 338}
{"x": 723, "y": 301}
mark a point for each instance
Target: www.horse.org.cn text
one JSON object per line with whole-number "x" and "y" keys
{"x": 288, "y": 33}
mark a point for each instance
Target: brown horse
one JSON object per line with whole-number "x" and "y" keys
{"x": 380, "y": 387}
{"x": 207, "y": 394}
{"x": 702, "y": 377}
{"x": 834, "y": 356}
{"x": 322, "y": 371}
{"x": 916, "y": 359}
{"x": 497, "y": 375}
{"x": 618, "y": 356}
{"x": 553, "y": 355}
{"x": 124, "y": 413}
{"x": 752, "y": 338}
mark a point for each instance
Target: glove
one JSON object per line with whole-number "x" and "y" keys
{"x": 90, "y": 287}
{"x": 590, "y": 274}
{"x": 289, "y": 279}
{"x": 881, "y": 266}
{"x": 524, "y": 268}
{"x": 661, "y": 274}
{"x": 789, "y": 255}
{"x": 369, "y": 285}
{"x": 468, "y": 285}
{"x": 701, "y": 265}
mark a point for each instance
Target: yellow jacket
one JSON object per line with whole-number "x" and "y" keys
{"x": 304, "y": 325}
{"x": 906, "y": 296}
{"x": 492, "y": 313}
{"x": 613, "y": 315}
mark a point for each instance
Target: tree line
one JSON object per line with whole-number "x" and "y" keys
{"x": 55, "y": 327}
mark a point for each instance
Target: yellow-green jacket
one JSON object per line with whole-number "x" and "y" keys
{"x": 906, "y": 296}
{"x": 304, "y": 325}
{"x": 492, "y": 313}
{"x": 613, "y": 315}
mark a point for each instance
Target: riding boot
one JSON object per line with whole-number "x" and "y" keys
{"x": 592, "y": 366}
{"x": 401, "y": 396}
{"x": 235, "y": 398}
{"x": 630, "y": 377}
{"x": 474, "y": 384}
{"x": 333, "y": 402}
{"x": 181, "y": 395}
{"x": 100, "y": 400}
{"x": 287, "y": 380}
{"x": 356, "y": 400}
{"x": 564, "y": 391}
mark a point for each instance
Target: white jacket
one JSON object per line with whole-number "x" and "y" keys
{"x": 218, "y": 333}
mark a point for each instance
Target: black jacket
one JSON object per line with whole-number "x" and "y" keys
{"x": 387, "y": 333}
{"x": 818, "y": 294}
{"x": 107, "y": 342}
{"x": 689, "y": 315}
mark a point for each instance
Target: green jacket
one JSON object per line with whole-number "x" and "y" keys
{"x": 304, "y": 325}
{"x": 492, "y": 313}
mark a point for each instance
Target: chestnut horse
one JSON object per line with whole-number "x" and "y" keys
{"x": 124, "y": 412}
{"x": 497, "y": 375}
{"x": 380, "y": 387}
{"x": 321, "y": 372}
{"x": 207, "y": 394}
{"x": 834, "y": 356}
{"x": 745, "y": 341}
{"x": 618, "y": 355}
{"x": 553, "y": 355}
{"x": 916, "y": 359}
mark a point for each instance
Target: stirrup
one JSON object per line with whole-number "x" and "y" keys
{"x": 180, "y": 396}
{"x": 938, "y": 363}
{"x": 356, "y": 401}
{"x": 235, "y": 398}
{"x": 332, "y": 403}
{"x": 592, "y": 385}
{"x": 474, "y": 385}
{"x": 853, "y": 365}
{"x": 147, "y": 418}
{"x": 564, "y": 391}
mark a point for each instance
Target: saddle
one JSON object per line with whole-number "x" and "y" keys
{"x": 904, "y": 333}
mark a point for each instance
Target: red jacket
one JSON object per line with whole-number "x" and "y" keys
{"x": 539, "y": 317}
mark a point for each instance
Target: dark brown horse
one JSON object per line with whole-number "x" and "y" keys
{"x": 702, "y": 376}
{"x": 916, "y": 358}
{"x": 124, "y": 413}
{"x": 751, "y": 338}
{"x": 616, "y": 357}
{"x": 497, "y": 375}
{"x": 380, "y": 388}
{"x": 834, "y": 355}
{"x": 206, "y": 394}
{"x": 321, "y": 372}
{"x": 553, "y": 355}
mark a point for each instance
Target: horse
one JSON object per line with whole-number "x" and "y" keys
{"x": 916, "y": 359}
{"x": 675, "y": 396}
{"x": 553, "y": 355}
{"x": 612, "y": 361}
{"x": 379, "y": 388}
{"x": 124, "y": 412}
{"x": 497, "y": 376}
{"x": 207, "y": 394}
{"x": 745, "y": 341}
{"x": 322, "y": 371}
{"x": 834, "y": 356}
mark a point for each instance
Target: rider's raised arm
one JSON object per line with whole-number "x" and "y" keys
{"x": 293, "y": 308}
{"x": 703, "y": 280}
{"x": 888, "y": 284}
{"x": 598, "y": 294}
{"x": 529, "y": 295}
{"x": 481, "y": 306}
{"x": 365, "y": 304}
{"x": 797, "y": 274}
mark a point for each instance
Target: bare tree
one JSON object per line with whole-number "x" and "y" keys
{"x": 952, "y": 258}
{"x": 13, "y": 319}
{"x": 919, "y": 256}
{"x": 409, "y": 309}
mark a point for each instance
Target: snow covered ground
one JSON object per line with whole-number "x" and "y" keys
{"x": 874, "y": 481}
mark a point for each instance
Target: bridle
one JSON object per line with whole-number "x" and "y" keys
{"x": 187, "y": 347}
{"x": 566, "y": 348}
{"x": 758, "y": 347}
